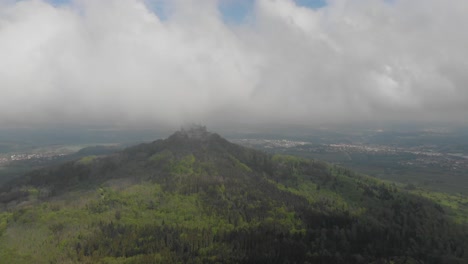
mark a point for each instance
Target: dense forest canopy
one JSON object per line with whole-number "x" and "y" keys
{"x": 197, "y": 198}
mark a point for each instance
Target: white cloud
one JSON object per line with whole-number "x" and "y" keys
{"x": 116, "y": 62}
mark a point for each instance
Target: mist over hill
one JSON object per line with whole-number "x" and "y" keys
{"x": 91, "y": 171}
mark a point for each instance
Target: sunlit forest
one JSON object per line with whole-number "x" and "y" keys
{"x": 197, "y": 198}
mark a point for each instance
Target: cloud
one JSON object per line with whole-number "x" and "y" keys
{"x": 117, "y": 62}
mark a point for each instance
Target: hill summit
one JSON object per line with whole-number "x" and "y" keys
{"x": 196, "y": 132}
{"x": 197, "y": 198}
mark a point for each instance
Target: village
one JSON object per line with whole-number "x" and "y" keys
{"x": 8, "y": 158}
{"x": 419, "y": 156}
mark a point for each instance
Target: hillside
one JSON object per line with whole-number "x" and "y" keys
{"x": 197, "y": 198}
{"x": 33, "y": 159}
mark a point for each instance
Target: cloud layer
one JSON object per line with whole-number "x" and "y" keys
{"x": 117, "y": 62}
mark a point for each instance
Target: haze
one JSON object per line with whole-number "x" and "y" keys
{"x": 129, "y": 62}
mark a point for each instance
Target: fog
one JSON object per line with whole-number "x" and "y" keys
{"x": 124, "y": 63}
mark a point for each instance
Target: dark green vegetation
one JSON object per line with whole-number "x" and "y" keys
{"x": 196, "y": 198}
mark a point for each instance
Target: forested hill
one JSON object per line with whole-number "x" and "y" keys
{"x": 197, "y": 198}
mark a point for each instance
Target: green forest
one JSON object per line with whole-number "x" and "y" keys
{"x": 197, "y": 198}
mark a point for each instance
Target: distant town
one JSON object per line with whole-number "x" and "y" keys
{"x": 421, "y": 156}
{"x": 6, "y": 159}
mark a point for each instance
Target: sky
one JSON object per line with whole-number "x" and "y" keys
{"x": 285, "y": 62}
